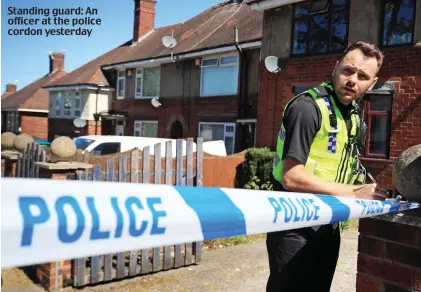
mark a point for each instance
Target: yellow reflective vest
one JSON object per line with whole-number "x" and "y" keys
{"x": 333, "y": 154}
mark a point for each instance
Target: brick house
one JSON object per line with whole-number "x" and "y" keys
{"x": 26, "y": 110}
{"x": 309, "y": 50}
{"x": 207, "y": 85}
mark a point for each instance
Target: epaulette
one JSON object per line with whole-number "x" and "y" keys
{"x": 321, "y": 91}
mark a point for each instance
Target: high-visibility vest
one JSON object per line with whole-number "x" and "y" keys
{"x": 333, "y": 154}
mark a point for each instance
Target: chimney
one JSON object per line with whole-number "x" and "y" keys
{"x": 11, "y": 88}
{"x": 56, "y": 62}
{"x": 144, "y": 18}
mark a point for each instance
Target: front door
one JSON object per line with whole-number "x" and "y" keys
{"x": 119, "y": 128}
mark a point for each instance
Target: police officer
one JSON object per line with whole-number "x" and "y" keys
{"x": 317, "y": 152}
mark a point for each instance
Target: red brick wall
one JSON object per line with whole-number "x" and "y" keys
{"x": 400, "y": 64}
{"x": 389, "y": 257}
{"x": 191, "y": 110}
{"x": 34, "y": 125}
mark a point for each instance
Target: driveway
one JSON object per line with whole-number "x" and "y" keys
{"x": 236, "y": 268}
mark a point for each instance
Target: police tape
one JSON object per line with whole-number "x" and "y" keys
{"x": 49, "y": 220}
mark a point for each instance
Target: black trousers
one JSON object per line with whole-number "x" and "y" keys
{"x": 303, "y": 259}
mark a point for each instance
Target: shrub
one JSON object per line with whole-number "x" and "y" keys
{"x": 257, "y": 169}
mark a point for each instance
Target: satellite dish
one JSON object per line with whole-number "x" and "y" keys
{"x": 155, "y": 102}
{"x": 169, "y": 42}
{"x": 79, "y": 123}
{"x": 272, "y": 64}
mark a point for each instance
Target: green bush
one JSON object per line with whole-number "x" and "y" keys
{"x": 257, "y": 169}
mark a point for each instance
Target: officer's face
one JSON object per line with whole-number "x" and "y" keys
{"x": 354, "y": 75}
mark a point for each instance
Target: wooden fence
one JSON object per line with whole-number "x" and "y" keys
{"x": 25, "y": 166}
{"x": 108, "y": 267}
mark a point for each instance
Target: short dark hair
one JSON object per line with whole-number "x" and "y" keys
{"x": 369, "y": 50}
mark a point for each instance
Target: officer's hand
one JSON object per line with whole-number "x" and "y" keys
{"x": 370, "y": 192}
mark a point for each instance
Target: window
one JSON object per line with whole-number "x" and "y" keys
{"x": 320, "y": 26}
{"x": 398, "y": 22}
{"x": 78, "y": 104}
{"x": 146, "y": 129}
{"x": 12, "y": 121}
{"x": 219, "y": 76}
{"x": 378, "y": 116}
{"x": 82, "y": 143}
{"x": 58, "y": 104}
{"x": 219, "y": 131}
{"x": 121, "y": 81}
{"x": 67, "y": 105}
{"x": 105, "y": 149}
{"x": 139, "y": 82}
{"x": 148, "y": 82}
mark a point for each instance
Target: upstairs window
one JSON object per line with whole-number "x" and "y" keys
{"x": 398, "y": 22}
{"x": 121, "y": 82}
{"x": 78, "y": 104}
{"x": 148, "y": 81}
{"x": 219, "y": 76}
{"x": 67, "y": 105}
{"x": 58, "y": 104}
{"x": 320, "y": 26}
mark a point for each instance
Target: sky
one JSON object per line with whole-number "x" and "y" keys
{"x": 25, "y": 58}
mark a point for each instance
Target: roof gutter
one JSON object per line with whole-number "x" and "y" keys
{"x": 163, "y": 60}
{"x": 24, "y": 110}
{"x": 270, "y": 4}
{"x": 77, "y": 87}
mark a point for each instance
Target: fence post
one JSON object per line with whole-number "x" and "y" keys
{"x": 122, "y": 166}
{"x": 79, "y": 264}
{"x": 189, "y": 182}
{"x": 156, "y": 256}
{"x": 109, "y": 257}
{"x": 134, "y": 178}
{"x": 95, "y": 260}
{"x": 197, "y": 246}
{"x": 145, "y": 179}
{"x": 179, "y": 181}
{"x": 168, "y": 181}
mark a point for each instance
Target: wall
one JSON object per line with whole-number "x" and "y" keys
{"x": 94, "y": 106}
{"x": 181, "y": 79}
{"x": 34, "y": 124}
{"x": 277, "y": 32}
{"x": 389, "y": 253}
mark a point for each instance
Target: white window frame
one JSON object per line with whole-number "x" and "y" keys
{"x": 59, "y": 111}
{"x": 226, "y": 134}
{"x": 68, "y": 94}
{"x": 118, "y": 82}
{"x": 217, "y": 65}
{"x": 139, "y": 73}
{"x": 140, "y": 122}
{"x": 141, "y": 96}
{"x": 79, "y": 97}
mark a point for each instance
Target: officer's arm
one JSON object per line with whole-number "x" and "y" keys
{"x": 298, "y": 180}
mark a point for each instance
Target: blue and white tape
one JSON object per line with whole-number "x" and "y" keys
{"x": 50, "y": 220}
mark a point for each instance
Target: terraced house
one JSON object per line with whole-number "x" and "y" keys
{"x": 206, "y": 85}
{"x": 308, "y": 38}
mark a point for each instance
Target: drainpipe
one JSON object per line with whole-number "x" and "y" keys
{"x": 96, "y": 111}
{"x": 242, "y": 107}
